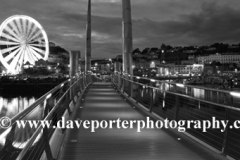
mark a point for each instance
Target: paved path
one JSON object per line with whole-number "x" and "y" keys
{"x": 102, "y": 102}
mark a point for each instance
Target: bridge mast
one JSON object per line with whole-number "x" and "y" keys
{"x": 88, "y": 40}
{"x": 127, "y": 36}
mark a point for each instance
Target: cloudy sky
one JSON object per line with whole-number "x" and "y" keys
{"x": 172, "y": 22}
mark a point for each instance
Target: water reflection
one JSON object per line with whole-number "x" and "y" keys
{"x": 198, "y": 93}
{"x": 212, "y": 96}
{"x": 10, "y": 106}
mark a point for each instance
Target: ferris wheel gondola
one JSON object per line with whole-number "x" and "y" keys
{"x": 22, "y": 40}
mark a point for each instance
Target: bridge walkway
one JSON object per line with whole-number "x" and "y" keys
{"x": 103, "y": 102}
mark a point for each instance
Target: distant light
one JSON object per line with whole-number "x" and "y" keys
{"x": 180, "y": 85}
{"x": 153, "y": 80}
{"x": 62, "y": 85}
{"x": 237, "y": 94}
{"x": 138, "y": 77}
{"x": 48, "y": 96}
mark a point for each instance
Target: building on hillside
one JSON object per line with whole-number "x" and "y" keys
{"x": 53, "y": 58}
{"x": 51, "y": 44}
{"x": 222, "y": 58}
{"x": 173, "y": 57}
{"x": 171, "y": 70}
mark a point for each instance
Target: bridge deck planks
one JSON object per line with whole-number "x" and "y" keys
{"x": 104, "y": 103}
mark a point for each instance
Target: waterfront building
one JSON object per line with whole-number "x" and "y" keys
{"x": 54, "y": 58}
{"x": 222, "y": 58}
{"x": 174, "y": 57}
{"x": 51, "y": 44}
{"x": 172, "y": 69}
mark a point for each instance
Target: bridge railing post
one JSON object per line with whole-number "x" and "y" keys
{"x": 47, "y": 147}
{"x": 129, "y": 88}
{"x": 119, "y": 81}
{"x": 138, "y": 92}
{"x": 176, "y": 107}
{"x": 81, "y": 83}
{"x": 151, "y": 97}
{"x": 122, "y": 84}
{"x": 226, "y": 133}
{"x": 8, "y": 146}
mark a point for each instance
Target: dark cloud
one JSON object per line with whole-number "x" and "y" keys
{"x": 173, "y": 22}
{"x": 212, "y": 24}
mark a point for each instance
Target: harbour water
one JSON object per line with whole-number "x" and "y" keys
{"x": 12, "y": 105}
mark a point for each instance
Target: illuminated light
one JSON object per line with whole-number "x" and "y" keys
{"x": 69, "y": 80}
{"x": 19, "y": 45}
{"x": 48, "y": 96}
{"x": 138, "y": 77}
{"x": 129, "y": 75}
{"x": 180, "y": 85}
{"x": 62, "y": 85}
{"x": 237, "y": 94}
{"x": 153, "y": 80}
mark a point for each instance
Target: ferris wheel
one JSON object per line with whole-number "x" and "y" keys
{"x": 22, "y": 40}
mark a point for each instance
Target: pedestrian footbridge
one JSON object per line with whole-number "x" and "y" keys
{"x": 117, "y": 110}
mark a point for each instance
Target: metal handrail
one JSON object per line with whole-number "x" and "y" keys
{"x": 186, "y": 96}
{"x": 36, "y": 103}
{"x": 63, "y": 92}
{"x": 39, "y": 129}
{"x": 191, "y": 86}
{"x": 173, "y": 105}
